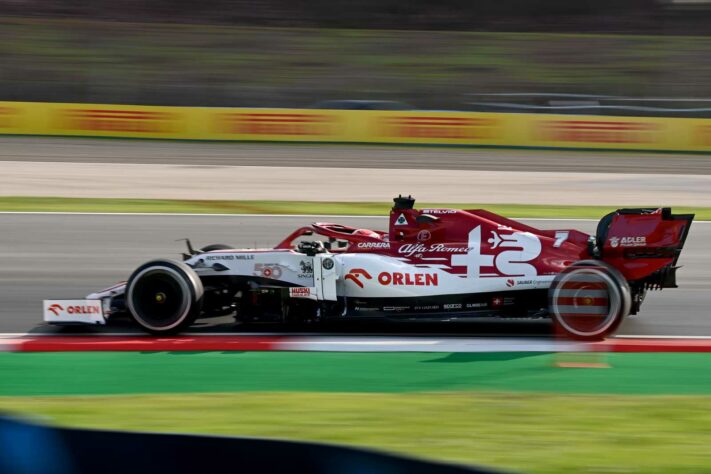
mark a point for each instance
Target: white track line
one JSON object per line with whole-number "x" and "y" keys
{"x": 330, "y": 216}
{"x": 187, "y": 214}
{"x": 183, "y": 214}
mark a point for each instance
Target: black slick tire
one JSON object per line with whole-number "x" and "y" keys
{"x": 164, "y": 296}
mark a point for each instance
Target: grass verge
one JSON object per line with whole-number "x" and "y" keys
{"x": 525, "y": 432}
{"x": 51, "y": 204}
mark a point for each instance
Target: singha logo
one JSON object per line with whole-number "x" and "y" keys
{"x": 306, "y": 267}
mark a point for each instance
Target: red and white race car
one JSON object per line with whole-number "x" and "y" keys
{"x": 431, "y": 264}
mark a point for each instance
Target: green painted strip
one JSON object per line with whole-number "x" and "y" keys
{"x": 56, "y": 204}
{"x": 128, "y": 372}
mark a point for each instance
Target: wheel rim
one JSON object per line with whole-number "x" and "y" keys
{"x": 159, "y": 298}
{"x": 586, "y": 302}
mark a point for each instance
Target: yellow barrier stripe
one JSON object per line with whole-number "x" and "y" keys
{"x": 356, "y": 126}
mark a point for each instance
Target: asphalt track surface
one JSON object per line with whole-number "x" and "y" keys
{"x": 209, "y": 154}
{"x": 48, "y": 256}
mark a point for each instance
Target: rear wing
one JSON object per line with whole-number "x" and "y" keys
{"x": 642, "y": 242}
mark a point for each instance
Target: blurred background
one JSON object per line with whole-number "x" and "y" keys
{"x": 451, "y": 54}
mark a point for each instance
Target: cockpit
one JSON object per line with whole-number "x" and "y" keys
{"x": 342, "y": 238}
{"x": 337, "y": 238}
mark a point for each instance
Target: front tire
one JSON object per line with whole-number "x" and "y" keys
{"x": 588, "y": 300}
{"x": 164, "y": 296}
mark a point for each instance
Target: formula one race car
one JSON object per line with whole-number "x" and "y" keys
{"x": 432, "y": 264}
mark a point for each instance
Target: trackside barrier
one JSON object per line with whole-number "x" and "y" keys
{"x": 29, "y": 448}
{"x": 357, "y": 126}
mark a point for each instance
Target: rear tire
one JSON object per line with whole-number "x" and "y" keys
{"x": 164, "y": 296}
{"x": 588, "y": 300}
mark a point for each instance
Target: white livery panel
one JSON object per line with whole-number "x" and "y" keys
{"x": 282, "y": 265}
{"x": 378, "y": 276}
{"x": 73, "y": 311}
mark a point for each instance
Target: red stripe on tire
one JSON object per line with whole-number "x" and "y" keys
{"x": 585, "y": 317}
{"x": 578, "y": 301}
